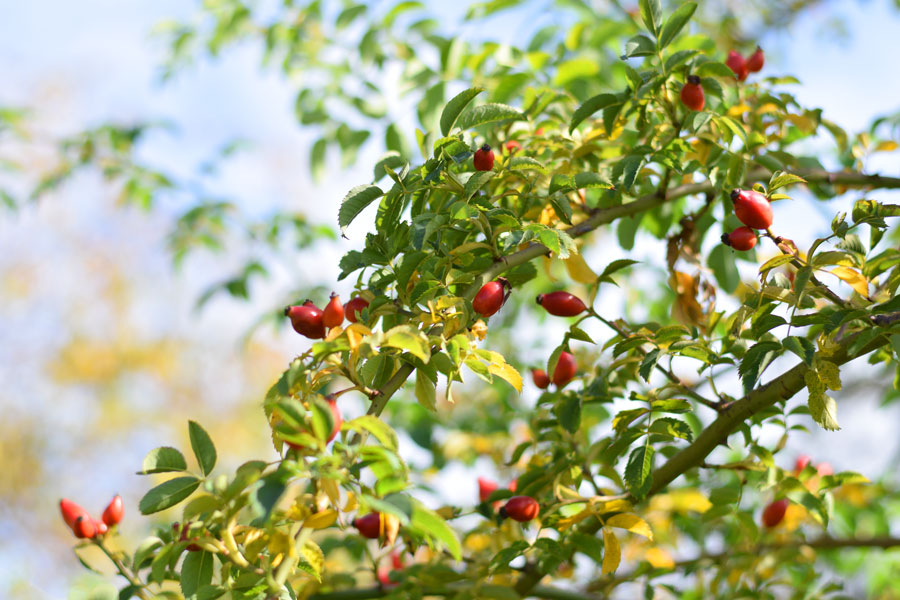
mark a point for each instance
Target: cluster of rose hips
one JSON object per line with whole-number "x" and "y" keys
{"x": 752, "y": 209}
{"x": 774, "y": 512}
{"x": 310, "y": 321}
{"x": 86, "y": 527}
{"x": 692, "y": 92}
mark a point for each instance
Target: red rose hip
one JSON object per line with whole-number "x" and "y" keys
{"x": 565, "y": 370}
{"x": 561, "y": 304}
{"x": 70, "y": 512}
{"x": 486, "y": 487}
{"x": 306, "y": 320}
{"x": 338, "y": 417}
{"x": 353, "y": 308}
{"x": 738, "y": 64}
{"x": 541, "y": 379}
{"x": 490, "y": 297}
{"x": 84, "y": 527}
{"x": 752, "y": 208}
{"x": 742, "y": 238}
{"x": 692, "y": 94}
{"x": 333, "y": 315}
{"x": 114, "y": 511}
{"x": 774, "y": 513}
{"x": 520, "y": 508}
{"x": 756, "y": 61}
{"x": 369, "y": 526}
{"x": 483, "y": 159}
{"x": 801, "y": 462}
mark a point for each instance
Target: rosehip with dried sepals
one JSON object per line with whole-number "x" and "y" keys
{"x": 306, "y": 320}
{"x": 333, "y": 314}
{"x": 565, "y": 370}
{"x": 71, "y": 511}
{"x": 692, "y": 94}
{"x": 486, "y": 487}
{"x": 742, "y": 238}
{"x": 738, "y": 64}
{"x": 752, "y": 208}
{"x": 491, "y": 297}
{"x": 561, "y": 304}
{"x": 369, "y": 526}
{"x": 756, "y": 61}
{"x": 353, "y": 308}
{"x": 484, "y": 158}
{"x": 114, "y": 511}
{"x": 540, "y": 378}
{"x": 84, "y": 527}
{"x": 520, "y": 508}
{"x": 773, "y": 514}
{"x": 801, "y": 462}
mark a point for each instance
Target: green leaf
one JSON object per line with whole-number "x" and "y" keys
{"x": 433, "y": 526}
{"x": 802, "y": 347}
{"x": 144, "y": 551}
{"x": 562, "y": 207}
{"x": 651, "y": 14}
{"x": 202, "y": 446}
{"x": 525, "y": 163}
{"x": 456, "y": 105}
{"x": 648, "y": 363}
{"x": 355, "y": 201}
{"x": 733, "y": 125}
{"x": 591, "y": 106}
{"x": 755, "y": 360}
{"x": 721, "y": 261}
{"x": 196, "y": 571}
{"x": 488, "y": 113}
{"x": 476, "y": 182}
{"x": 168, "y": 494}
{"x": 714, "y": 69}
{"x": 406, "y": 337}
{"x": 425, "y": 390}
{"x": 502, "y": 559}
{"x": 672, "y": 427}
{"x": 675, "y": 23}
{"x": 592, "y": 180}
{"x": 568, "y": 412}
{"x": 638, "y": 471}
{"x": 163, "y": 460}
{"x": 378, "y": 428}
{"x": 781, "y": 179}
{"x": 639, "y": 45}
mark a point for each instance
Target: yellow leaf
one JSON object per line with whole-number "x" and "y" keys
{"x": 356, "y": 332}
{"x": 632, "y": 523}
{"x": 886, "y": 146}
{"x": 612, "y": 554}
{"x": 351, "y": 502}
{"x": 579, "y": 270}
{"x": 313, "y": 556}
{"x": 321, "y": 520}
{"x": 390, "y": 527}
{"x": 600, "y": 506}
{"x": 567, "y": 522}
{"x": 508, "y": 373}
{"x": 853, "y": 278}
{"x": 830, "y": 374}
{"x": 738, "y": 110}
{"x": 659, "y": 558}
{"x": 682, "y": 500}
{"x": 280, "y": 543}
{"x": 330, "y": 487}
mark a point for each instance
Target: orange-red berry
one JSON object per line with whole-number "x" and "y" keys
{"x": 540, "y": 378}
{"x": 484, "y": 158}
{"x": 520, "y": 508}
{"x": 752, "y": 208}
{"x": 333, "y": 314}
{"x": 773, "y": 514}
{"x": 742, "y": 238}
{"x": 738, "y": 64}
{"x": 692, "y": 94}
{"x": 756, "y": 61}
{"x": 369, "y": 526}
{"x": 114, "y": 511}
{"x": 353, "y": 308}
{"x": 565, "y": 370}
{"x": 561, "y": 304}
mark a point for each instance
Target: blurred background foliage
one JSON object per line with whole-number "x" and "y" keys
{"x": 104, "y": 352}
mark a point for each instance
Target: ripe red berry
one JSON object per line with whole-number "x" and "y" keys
{"x": 692, "y": 94}
{"x": 561, "y": 304}
{"x": 540, "y": 378}
{"x": 84, "y": 527}
{"x": 512, "y": 146}
{"x": 306, "y": 320}
{"x": 338, "y": 417}
{"x": 369, "y": 525}
{"x": 100, "y": 527}
{"x": 70, "y": 512}
{"x": 824, "y": 469}
{"x": 801, "y": 462}
{"x": 756, "y": 61}
{"x": 484, "y": 159}
{"x": 742, "y": 238}
{"x": 521, "y": 508}
{"x": 490, "y": 297}
{"x": 114, "y": 511}
{"x": 353, "y": 308}
{"x": 512, "y": 485}
{"x": 397, "y": 560}
{"x": 752, "y": 208}
{"x": 486, "y": 487}
{"x": 565, "y": 369}
{"x": 333, "y": 315}
{"x": 737, "y": 64}
{"x": 774, "y": 513}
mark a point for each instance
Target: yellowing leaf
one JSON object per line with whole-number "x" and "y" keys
{"x": 351, "y": 502}
{"x": 612, "y": 554}
{"x": 630, "y": 522}
{"x": 321, "y": 520}
{"x": 600, "y": 506}
{"x": 659, "y": 558}
{"x": 567, "y": 522}
{"x": 830, "y": 374}
{"x": 356, "y": 332}
{"x": 886, "y": 146}
{"x": 738, "y": 110}
{"x": 683, "y": 500}
{"x": 579, "y": 270}
{"x": 853, "y": 278}
{"x": 508, "y": 373}
{"x": 313, "y": 556}
{"x": 330, "y": 487}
